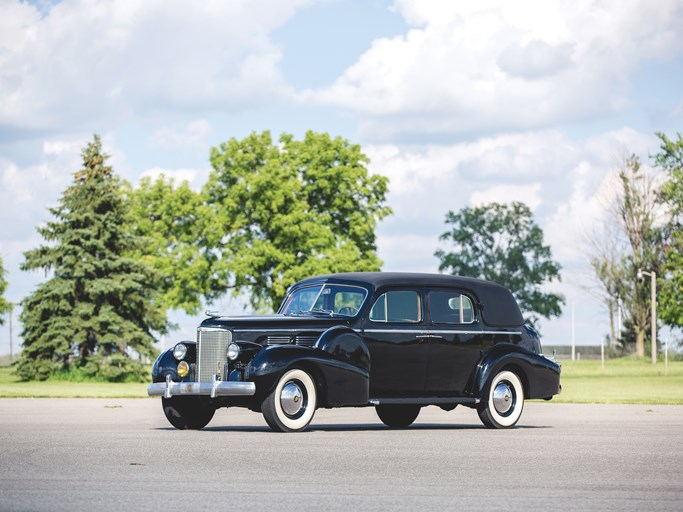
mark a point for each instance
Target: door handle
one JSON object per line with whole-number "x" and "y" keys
{"x": 426, "y": 336}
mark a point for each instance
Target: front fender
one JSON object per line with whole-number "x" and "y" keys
{"x": 540, "y": 376}
{"x": 345, "y": 343}
{"x": 339, "y": 382}
{"x": 166, "y": 364}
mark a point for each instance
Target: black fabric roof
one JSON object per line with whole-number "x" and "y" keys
{"x": 499, "y": 307}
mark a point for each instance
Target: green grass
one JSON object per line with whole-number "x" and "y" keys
{"x": 625, "y": 380}
{"x": 12, "y": 387}
{"x": 622, "y": 381}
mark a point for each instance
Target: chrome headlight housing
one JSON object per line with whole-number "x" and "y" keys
{"x": 233, "y": 351}
{"x": 180, "y": 351}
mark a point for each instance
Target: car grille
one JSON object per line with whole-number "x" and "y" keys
{"x": 305, "y": 340}
{"x": 278, "y": 340}
{"x": 212, "y": 347}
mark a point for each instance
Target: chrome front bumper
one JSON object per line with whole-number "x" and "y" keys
{"x": 213, "y": 389}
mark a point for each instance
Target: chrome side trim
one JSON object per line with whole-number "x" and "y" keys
{"x": 394, "y": 331}
{"x": 424, "y": 400}
{"x": 274, "y": 329}
{"x": 213, "y": 389}
{"x": 436, "y": 331}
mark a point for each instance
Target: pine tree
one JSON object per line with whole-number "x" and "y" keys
{"x": 99, "y": 302}
{"x": 4, "y": 305}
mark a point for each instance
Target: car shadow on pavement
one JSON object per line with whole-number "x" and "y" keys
{"x": 357, "y": 428}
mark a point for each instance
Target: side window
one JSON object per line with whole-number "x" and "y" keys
{"x": 450, "y": 308}
{"x": 398, "y": 306}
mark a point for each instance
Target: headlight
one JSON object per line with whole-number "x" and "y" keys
{"x": 183, "y": 369}
{"x": 180, "y": 351}
{"x": 233, "y": 351}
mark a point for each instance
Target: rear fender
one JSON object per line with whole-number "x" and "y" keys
{"x": 540, "y": 376}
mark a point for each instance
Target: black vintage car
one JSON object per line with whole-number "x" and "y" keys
{"x": 395, "y": 341}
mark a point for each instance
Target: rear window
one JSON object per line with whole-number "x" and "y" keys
{"x": 450, "y": 308}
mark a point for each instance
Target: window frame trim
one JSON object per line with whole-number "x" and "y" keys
{"x": 475, "y": 320}
{"x": 420, "y": 307}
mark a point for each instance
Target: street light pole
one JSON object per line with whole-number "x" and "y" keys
{"x": 653, "y": 315}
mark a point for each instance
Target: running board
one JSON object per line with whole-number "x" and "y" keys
{"x": 433, "y": 400}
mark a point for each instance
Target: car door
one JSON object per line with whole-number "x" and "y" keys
{"x": 455, "y": 342}
{"x": 399, "y": 351}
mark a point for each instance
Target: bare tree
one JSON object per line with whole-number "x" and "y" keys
{"x": 629, "y": 241}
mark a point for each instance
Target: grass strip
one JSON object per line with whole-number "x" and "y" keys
{"x": 623, "y": 381}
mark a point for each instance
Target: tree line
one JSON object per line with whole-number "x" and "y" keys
{"x": 273, "y": 212}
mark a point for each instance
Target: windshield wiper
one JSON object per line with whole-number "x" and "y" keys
{"x": 315, "y": 311}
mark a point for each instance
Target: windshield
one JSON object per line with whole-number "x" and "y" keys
{"x": 324, "y": 299}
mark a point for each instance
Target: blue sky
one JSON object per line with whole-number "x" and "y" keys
{"x": 458, "y": 103}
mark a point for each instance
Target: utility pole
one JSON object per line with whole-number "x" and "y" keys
{"x": 11, "y": 352}
{"x": 619, "y": 321}
{"x": 653, "y": 314}
{"x": 573, "y": 335}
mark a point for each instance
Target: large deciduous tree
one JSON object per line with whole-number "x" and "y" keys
{"x": 99, "y": 302}
{"x": 171, "y": 218}
{"x": 670, "y": 159}
{"x": 502, "y": 243}
{"x": 281, "y": 211}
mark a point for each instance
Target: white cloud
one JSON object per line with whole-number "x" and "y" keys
{"x": 195, "y": 177}
{"x": 466, "y": 68}
{"x": 82, "y": 61}
{"x": 562, "y": 180}
{"x": 528, "y": 194}
{"x": 193, "y": 135}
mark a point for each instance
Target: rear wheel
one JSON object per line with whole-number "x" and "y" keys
{"x": 504, "y": 401}
{"x": 187, "y": 412}
{"x": 291, "y": 405}
{"x": 397, "y": 416}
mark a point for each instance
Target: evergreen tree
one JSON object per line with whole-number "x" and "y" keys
{"x": 4, "y": 305}
{"x": 99, "y": 302}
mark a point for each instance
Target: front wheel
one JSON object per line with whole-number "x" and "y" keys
{"x": 397, "y": 416}
{"x": 291, "y": 405}
{"x": 504, "y": 402}
{"x": 187, "y": 412}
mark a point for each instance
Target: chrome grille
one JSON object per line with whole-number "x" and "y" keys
{"x": 212, "y": 347}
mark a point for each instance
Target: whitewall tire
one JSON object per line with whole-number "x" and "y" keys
{"x": 504, "y": 401}
{"x": 291, "y": 405}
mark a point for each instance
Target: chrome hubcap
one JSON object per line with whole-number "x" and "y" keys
{"x": 503, "y": 398}
{"x": 291, "y": 399}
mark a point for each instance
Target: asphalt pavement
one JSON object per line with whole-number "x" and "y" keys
{"x": 113, "y": 455}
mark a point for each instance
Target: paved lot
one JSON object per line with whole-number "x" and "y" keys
{"x": 118, "y": 455}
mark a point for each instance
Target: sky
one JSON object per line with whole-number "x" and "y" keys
{"x": 457, "y": 103}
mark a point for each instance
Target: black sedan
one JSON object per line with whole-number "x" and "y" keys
{"x": 395, "y": 341}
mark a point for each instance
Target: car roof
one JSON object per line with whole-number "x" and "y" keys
{"x": 498, "y": 305}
